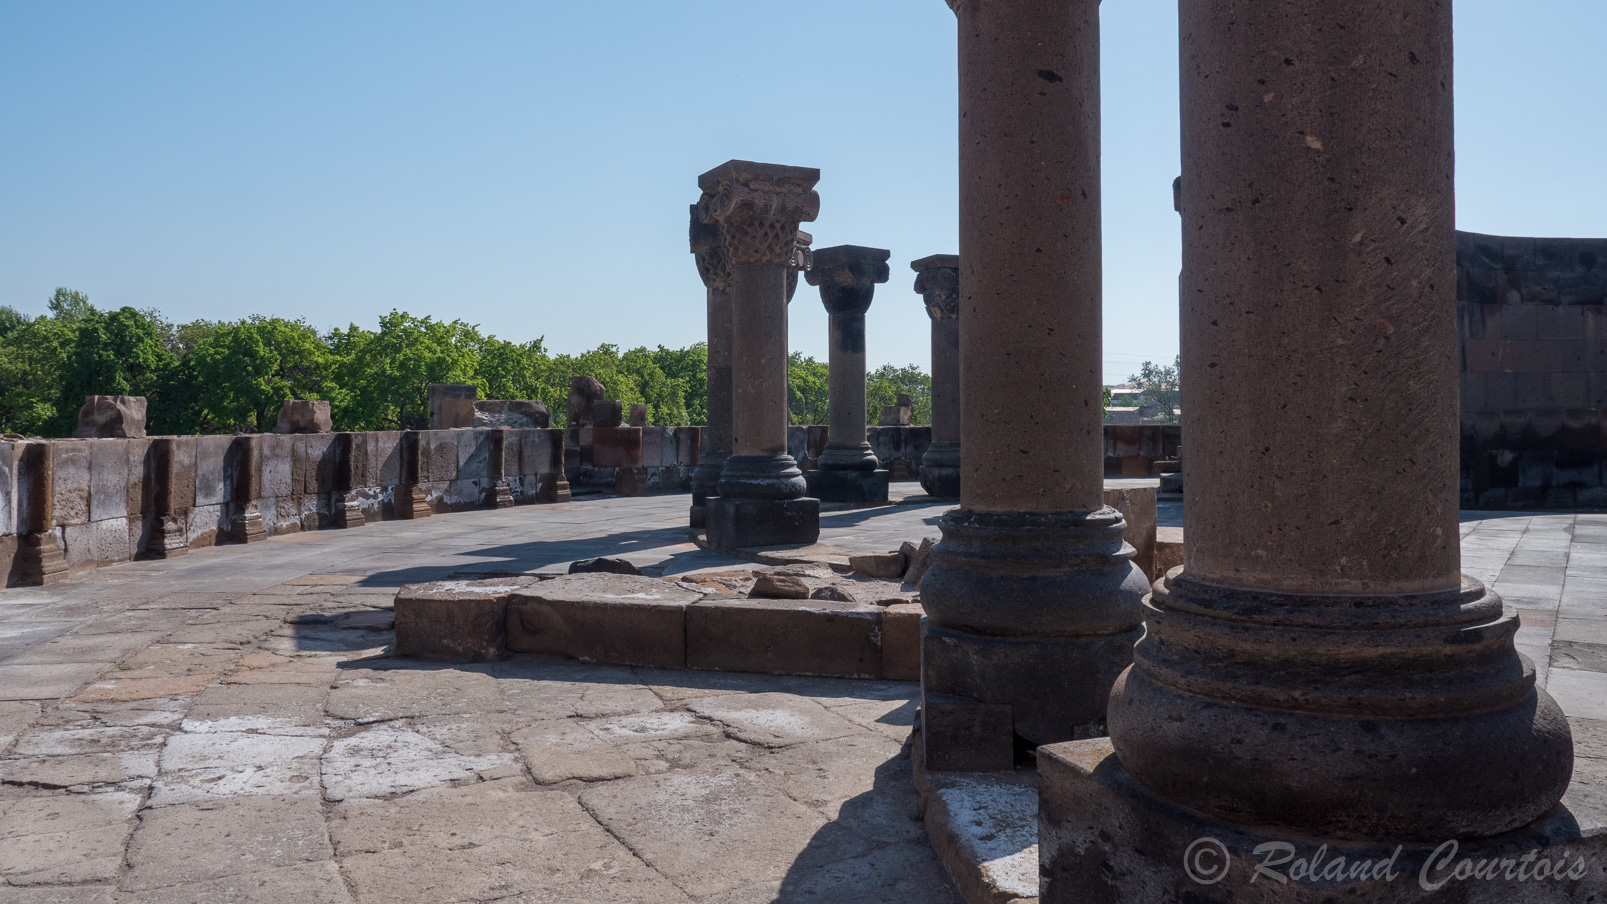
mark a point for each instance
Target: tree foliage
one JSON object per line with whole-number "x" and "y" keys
{"x": 232, "y": 376}
{"x": 1160, "y": 386}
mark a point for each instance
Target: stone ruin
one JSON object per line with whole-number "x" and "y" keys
{"x": 111, "y": 415}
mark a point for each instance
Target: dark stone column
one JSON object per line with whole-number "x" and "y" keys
{"x": 757, "y": 207}
{"x": 937, "y": 278}
{"x": 847, "y": 276}
{"x": 716, "y": 274}
{"x": 1320, "y": 665}
{"x": 1033, "y": 602}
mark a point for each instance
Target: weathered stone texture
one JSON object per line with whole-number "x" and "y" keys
{"x": 796, "y": 637}
{"x": 303, "y": 416}
{"x": 617, "y": 619}
{"x": 109, "y": 416}
{"x": 445, "y": 417}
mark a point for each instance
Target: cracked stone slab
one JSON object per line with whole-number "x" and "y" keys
{"x": 196, "y": 767}
{"x": 864, "y": 782}
{"x": 52, "y": 839}
{"x": 190, "y": 843}
{"x": 267, "y": 709}
{"x": 83, "y": 770}
{"x": 493, "y": 841}
{"x": 304, "y": 883}
{"x": 391, "y": 760}
{"x": 985, "y": 828}
{"x": 900, "y": 872}
{"x": 367, "y": 695}
{"x": 73, "y": 741}
{"x": 716, "y": 831}
{"x": 773, "y": 720}
{"x": 47, "y": 682}
{"x": 548, "y": 688}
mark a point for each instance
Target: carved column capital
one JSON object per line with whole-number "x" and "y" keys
{"x": 803, "y": 258}
{"x": 712, "y": 265}
{"x": 937, "y": 278}
{"x": 847, "y": 276}
{"x": 757, "y": 207}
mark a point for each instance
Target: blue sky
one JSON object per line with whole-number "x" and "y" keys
{"x": 527, "y": 166}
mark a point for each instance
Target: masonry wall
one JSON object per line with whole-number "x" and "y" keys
{"x": 1534, "y": 371}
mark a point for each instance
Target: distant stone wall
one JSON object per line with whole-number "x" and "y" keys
{"x": 103, "y": 501}
{"x": 1534, "y": 371}
{"x": 634, "y": 461}
{"x": 1130, "y": 450}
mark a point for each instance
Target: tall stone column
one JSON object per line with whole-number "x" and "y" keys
{"x": 757, "y": 207}
{"x": 1033, "y": 601}
{"x": 937, "y": 279}
{"x": 847, "y": 276}
{"x": 712, "y": 267}
{"x": 1318, "y": 667}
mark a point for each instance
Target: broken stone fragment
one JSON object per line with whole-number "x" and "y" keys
{"x": 106, "y": 416}
{"x": 603, "y": 566}
{"x": 778, "y": 587}
{"x": 303, "y": 416}
{"x": 887, "y": 567}
{"x": 583, "y": 393}
{"x": 920, "y": 559}
{"x": 638, "y": 416}
{"x": 832, "y": 592}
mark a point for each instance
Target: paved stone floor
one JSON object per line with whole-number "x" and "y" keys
{"x": 226, "y": 727}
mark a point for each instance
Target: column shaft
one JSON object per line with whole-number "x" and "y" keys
{"x": 847, "y": 375}
{"x": 1030, "y": 255}
{"x": 945, "y": 381}
{"x": 759, "y": 372}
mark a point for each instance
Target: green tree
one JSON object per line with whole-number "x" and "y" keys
{"x": 32, "y": 358}
{"x": 386, "y": 374}
{"x": 690, "y": 366}
{"x": 111, "y": 353}
{"x": 1160, "y": 386}
{"x": 243, "y": 372}
{"x": 11, "y": 320}
{"x": 883, "y": 385}
{"x": 808, "y": 389}
{"x": 69, "y": 306}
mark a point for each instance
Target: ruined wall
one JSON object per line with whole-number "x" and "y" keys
{"x": 1534, "y": 371}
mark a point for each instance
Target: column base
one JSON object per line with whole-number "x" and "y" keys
{"x": 1054, "y": 688}
{"x": 1103, "y": 837}
{"x": 848, "y": 486}
{"x": 699, "y": 515}
{"x": 247, "y": 526}
{"x": 346, "y": 512}
{"x": 740, "y": 523}
{"x": 499, "y": 496}
{"x": 40, "y": 559}
{"x": 411, "y": 503}
{"x": 167, "y": 540}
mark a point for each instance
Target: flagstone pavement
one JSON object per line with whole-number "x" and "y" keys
{"x": 229, "y": 727}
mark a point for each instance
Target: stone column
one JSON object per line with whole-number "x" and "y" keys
{"x": 716, "y": 275}
{"x": 1318, "y": 667}
{"x": 937, "y": 278}
{"x": 1033, "y": 602}
{"x": 849, "y": 471}
{"x": 757, "y": 207}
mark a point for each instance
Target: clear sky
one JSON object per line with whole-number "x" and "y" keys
{"x": 527, "y": 166}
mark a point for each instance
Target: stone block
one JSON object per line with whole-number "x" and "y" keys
{"x": 517, "y": 414}
{"x": 277, "y": 466}
{"x": 1501, "y": 390}
{"x": 901, "y": 642}
{"x": 604, "y": 618}
{"x": 438, "y": 456}
{"x": 439, "y": 393}
{"x": 616, "y": 447}
{"x": 960, "y": 735}
{"x": 896, "y": 416}
{"x": 459, "y": 621}
{"x": 638, "y": 416}
{"x": 688, "y": 446}
{"x": 303, "y": 416}
{"x": 785, "y": 637}
{"x": 854, "y": 487}
{"x": 1518, "y": 321}
{"x": 242, "y": 466}
{"x": 541, "y": 451}
{"x": 211, "y": 469}
{"x": 111, "y": 416}
{"x": 653, "y": 444}
{"x": 583, "y": 393}
{"x": 109, "y": 542}
{"x": 108, "y": 479}
{"x": 455, "y": 414}
{"x": 386, "y": 460}
{"x": 1137, "y": 505}
{"x": 474, "y": 454}
{"x": 34, "y": 499}
{"x": 322, "y": 463}
{"x": 69, "y": 480}
{"x": 8, "y": 500}
{"x": 78, "y": 543}
{"x": 746, "y": 523}
{"x": 607, "y": 413}
{"x": 1168, "y": 551}
{"x": 139, "y": 490}
{"x": 1103, "y": 837}
{"x": 350, "y": 453}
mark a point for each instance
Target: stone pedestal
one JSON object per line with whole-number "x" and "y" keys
{"x": 346, "y": 512}
{"x": 847, "y": 276}
{"x": 1103, "y": 836}
{"x": 757, "y": 208}
{"x": 1319, "y": 667}
{"x": 1033, "y": 600}
{"x": 40, "y": 559}
{"x": 937, "y": 279}
{"x": 168, "y": 538}
{"x": 247, "y": 525}
{"x": 716, "y": 275}
{"x": 412, "y": 502}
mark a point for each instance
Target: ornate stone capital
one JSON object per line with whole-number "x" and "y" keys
{"x": 847, "y": 276}
{"x": 758, "y": 207}
{"x": 937, "y": 278}
{"x": 710, "y": 254}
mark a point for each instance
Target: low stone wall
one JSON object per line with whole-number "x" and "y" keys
{"x": 634, "y": 461}
{"x": 1534, "y": 371}
{"x": 101, "y": 501}
{"x": 1131, "y": 449}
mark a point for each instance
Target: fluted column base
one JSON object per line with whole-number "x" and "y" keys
{"x": 1103, "y": 836}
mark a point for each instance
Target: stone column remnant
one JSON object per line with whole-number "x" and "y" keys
{"x": 1033, "y": 601}
{"x": 757, "y": 207}
{"x": 716, "y": 275}
{"x": 1328, "y": 178}
{"x": 937, "y": 279}
{"x": 847, "y": 276}
{"x": 1319, "y": 667}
